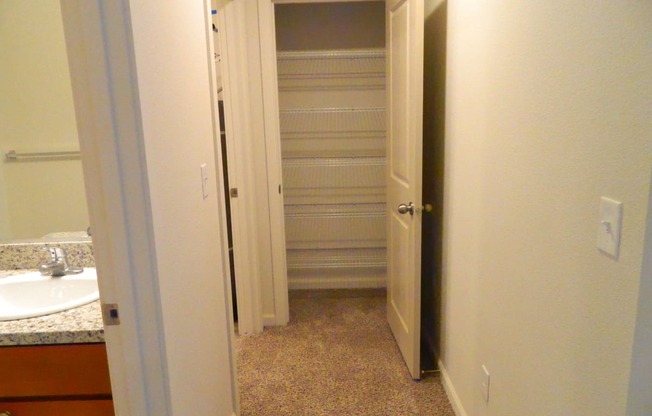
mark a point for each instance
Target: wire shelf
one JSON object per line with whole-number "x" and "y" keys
{"x": 329, "y": 173}
{"x": 342, "y": 122}
{"x": 336, "y": 259}
{"x": 335, "y": 69}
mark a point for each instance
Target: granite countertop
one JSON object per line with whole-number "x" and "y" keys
{"x": 74, "y": 326}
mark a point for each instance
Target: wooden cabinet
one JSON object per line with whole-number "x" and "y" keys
{"x": 55, "y": 380}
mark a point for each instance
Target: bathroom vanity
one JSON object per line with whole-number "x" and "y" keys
{"x": 55, "y": 365}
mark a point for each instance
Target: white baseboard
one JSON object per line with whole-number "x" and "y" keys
{"x": 269, "y": 319}
{"x": 450, "y": 391}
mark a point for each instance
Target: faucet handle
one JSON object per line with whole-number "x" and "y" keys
{"x": 57, "y": 253}
{"x": 58, "y": 264}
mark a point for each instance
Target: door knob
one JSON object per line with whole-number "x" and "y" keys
{"x": 404, "y": 209}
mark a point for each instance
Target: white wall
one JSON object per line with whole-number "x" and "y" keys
{"x": 548, "y": 108}
{"x": 37, "y": 114}
{"x": 172, "y": 66}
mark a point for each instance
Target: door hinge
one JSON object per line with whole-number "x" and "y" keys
{"x": 110, "y": 314}
{"x": 233, "y": 192}
{"x": 279, "y": 189}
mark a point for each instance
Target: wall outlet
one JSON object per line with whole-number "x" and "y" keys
{"x": 485, "y": 383}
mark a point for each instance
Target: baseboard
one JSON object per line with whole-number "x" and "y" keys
{"x": 450, "y": 391}
{"x": 269, "y": 319}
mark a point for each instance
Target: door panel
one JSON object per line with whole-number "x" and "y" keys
{"x": 405, "y": 114}
{"x": 399, "y": 291}
{"x": 398, "y": 59}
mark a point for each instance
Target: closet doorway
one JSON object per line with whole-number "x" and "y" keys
{"x": 350, "y": 157}
{"x": 331, "y": 94}
{"x": 347, "y": 185}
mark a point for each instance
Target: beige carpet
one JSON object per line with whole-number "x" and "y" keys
{"x": 336, "y": 357}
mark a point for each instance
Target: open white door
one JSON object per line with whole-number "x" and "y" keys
{"x": 404, "y": 20}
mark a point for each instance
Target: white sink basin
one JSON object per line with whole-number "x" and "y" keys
{"x": 29, "y": 295}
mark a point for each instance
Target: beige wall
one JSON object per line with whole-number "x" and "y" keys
{"x": 5, "y": 228}
{"x": 330, "y": 26}
{"x": 548, "y": 109}
{"x": 36, "y": 113}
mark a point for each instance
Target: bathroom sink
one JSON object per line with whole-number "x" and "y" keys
{"x": 31, "y": 294}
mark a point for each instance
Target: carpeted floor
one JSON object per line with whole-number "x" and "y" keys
{"x": 337, "y": 356}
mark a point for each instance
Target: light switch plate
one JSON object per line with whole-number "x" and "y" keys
{"x": 204, "y": 180}
{"x": 486, "y": 379}
{"x": 611, "y": 216}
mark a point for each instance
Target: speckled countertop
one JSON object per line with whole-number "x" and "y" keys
{"x": 74, "y": 326}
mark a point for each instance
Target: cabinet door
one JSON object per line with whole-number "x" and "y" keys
{"x": 54, "y": 370}
{"x": 60, "y": 408}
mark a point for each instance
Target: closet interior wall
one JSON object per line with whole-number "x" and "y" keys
{"x": 331, "y": 77}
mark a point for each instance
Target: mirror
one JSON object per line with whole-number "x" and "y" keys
{"x": 42, "y": 192}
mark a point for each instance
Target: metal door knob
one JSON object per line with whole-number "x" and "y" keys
{"x": 404, "y": 209}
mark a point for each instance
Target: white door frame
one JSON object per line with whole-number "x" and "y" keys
{"x": 269, "y": 84}
{"x": 105, "y": 90}
{"x": 239, "y": 20}
{"x": 90, "y": 41}
{"x": 232, "y": 26}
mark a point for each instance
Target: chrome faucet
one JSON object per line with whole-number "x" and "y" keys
{"x": 58, "y": 265}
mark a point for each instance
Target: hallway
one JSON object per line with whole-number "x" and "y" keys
{"x": 336, "y": 357}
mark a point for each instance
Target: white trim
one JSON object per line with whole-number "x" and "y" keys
{"x": 269, "y": 86}
{"x": 219, "y": 175}
{"x": 257, "y": 213}
{"x": 98, "y": 38}
{"x": 232, "y": 23}
{"x": 269, "y": 320}
{"x": 450, "y": 391}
